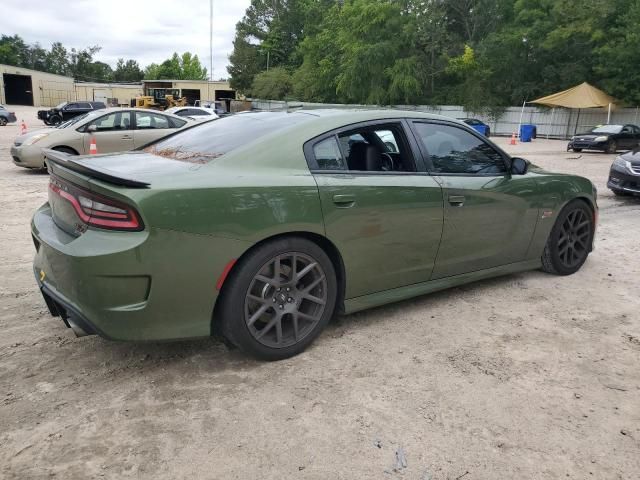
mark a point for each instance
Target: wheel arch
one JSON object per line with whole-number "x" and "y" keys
{"x": 65, "y": 147}
{"x": 323, "y": 242}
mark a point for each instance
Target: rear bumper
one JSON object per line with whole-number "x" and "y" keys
{"x": 135, "y": 286}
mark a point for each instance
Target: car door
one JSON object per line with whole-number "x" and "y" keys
{"x": 151, "y": 126}
{"x": 112, "y": 132}
{"x": 383, "y": 215}
{"x": 626, "y": 138}
{"x": 489, "y": 214}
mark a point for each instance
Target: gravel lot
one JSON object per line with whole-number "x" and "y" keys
{"x": 525, "y": 376}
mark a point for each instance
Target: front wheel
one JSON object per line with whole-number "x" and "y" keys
{"x": 55, "y": 120}
{"x": 570, "y": 240}
{"x": 278, "y": 298}
{"x": 577, "y": 150}
{"x": 612, "y": 146}
{"x": 3, "y": 121}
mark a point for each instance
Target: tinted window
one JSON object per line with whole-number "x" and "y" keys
{"x": 453, "y": 150}
{"x": 148, "y": 120}
{"x": 182, "y": 113}
{"x": 205, "y": 142}
{"x": 113, "y": 121}
{"x": 84, "y": 106}
{"x": 71, "y": 106}
{"x": 197, "y": 111}
{"x": 327, "y": 155}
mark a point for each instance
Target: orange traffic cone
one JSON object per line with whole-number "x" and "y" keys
{"x": 513, "y": 139}
{"x": 93, "y": 148}
{"x": 23, "y": 128}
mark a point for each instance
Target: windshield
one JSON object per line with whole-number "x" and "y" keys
{"x": 61, "y": 105}
{"x": 607, "y": 129}
{"x": 75, "y": 120}
{"x": 211, "y": 140}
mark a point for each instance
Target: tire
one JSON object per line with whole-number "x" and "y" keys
{"x": 570, "y": 240}
{"x": 55, "y": 120}
{"x": 3, "y": 121}
{"x": 259, "y": 308}
{"x": 612, "y": 146}
{"x": 577, "y": 150}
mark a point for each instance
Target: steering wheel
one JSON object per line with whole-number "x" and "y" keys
{"x": 388, "y": 164}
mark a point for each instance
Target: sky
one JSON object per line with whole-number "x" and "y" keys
{"x": 148, "y": 31}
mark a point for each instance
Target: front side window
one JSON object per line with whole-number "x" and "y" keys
{"x": 456, "y": 151}
{"x": 113, "y": 122}
{"x": 148, "y": 120}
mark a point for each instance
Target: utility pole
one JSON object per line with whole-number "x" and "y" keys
{"x": 211, "y": 40}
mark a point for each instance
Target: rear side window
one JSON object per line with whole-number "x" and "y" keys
{"x": 327, "y": 155}
{"x": 203, "y": 143}
{"x": 455, "y": 151}
{"x": 146, "y": 121}
{"x": 176, "y": 123}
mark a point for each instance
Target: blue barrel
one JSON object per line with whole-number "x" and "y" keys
{"x": 480, "y": 129}
{"x": 526, "y": 132}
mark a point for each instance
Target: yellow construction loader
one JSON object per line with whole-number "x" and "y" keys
{"x": 161, "y": 99}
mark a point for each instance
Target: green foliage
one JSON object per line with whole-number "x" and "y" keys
{"x": 128, "y": 71}
{"x": 273, "y": 84}
{"x": 483, "y": 54}
{"x": 177, "y": 67}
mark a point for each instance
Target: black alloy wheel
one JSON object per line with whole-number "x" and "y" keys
{"x": 278, "y": 299}
{"x": 55, "y": 120}
{"x": 3, "y": 121}
{"x": 612, "y": 146}
{"x": 570, "y": 241}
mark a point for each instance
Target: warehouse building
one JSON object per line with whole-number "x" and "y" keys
{"x": 22, "y": 86}
{"x": 195, "y": 90}
{"x": 112, "y": 94}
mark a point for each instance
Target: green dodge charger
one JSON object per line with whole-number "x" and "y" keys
{"x": 259, "y": 227}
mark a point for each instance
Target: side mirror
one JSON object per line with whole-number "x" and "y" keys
{"x": 91, "y": 129}
{"x": 519, "y": 166}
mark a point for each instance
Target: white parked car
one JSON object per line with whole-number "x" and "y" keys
{"x": 197, "y": 113}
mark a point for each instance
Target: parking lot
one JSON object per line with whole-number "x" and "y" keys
{"x": 524, "y": 376}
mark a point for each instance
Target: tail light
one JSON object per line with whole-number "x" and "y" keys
{"x": 96, "y": 210}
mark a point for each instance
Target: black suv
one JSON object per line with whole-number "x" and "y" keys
{"x": 67, "y": 110}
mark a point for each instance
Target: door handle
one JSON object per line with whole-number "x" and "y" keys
{"x": 456, "y": 200}
{"x": 127, "y": 137}
{"x": 344, "y": 201}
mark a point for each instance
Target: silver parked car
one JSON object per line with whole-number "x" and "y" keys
{"x": 114, "y": 129}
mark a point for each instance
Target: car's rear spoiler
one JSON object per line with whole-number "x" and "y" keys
{"x": 67, "y": 161}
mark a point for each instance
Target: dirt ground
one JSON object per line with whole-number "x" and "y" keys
{"x": 521, "y": 377}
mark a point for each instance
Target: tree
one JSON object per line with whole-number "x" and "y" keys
{"x": 128, "y": 71}
{"x": 273, "y": 84}
{"x": 177, "y": 67}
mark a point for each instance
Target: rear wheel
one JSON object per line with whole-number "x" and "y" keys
{"x": 570, "y": 240}
{"x": 612, "y": 146}
{"x": 3, "y": 121}
{"x": 278, "y": 299}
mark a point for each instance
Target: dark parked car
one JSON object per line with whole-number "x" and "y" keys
{"x": 478, "y": 125}
{"x": 6, "y": 116}
{"x": 607, "y": 138}
{"x": 67, "y": 110}
{"x": 624, "y": 176}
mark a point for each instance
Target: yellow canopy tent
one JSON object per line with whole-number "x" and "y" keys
{"x": 580, "y": 96}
